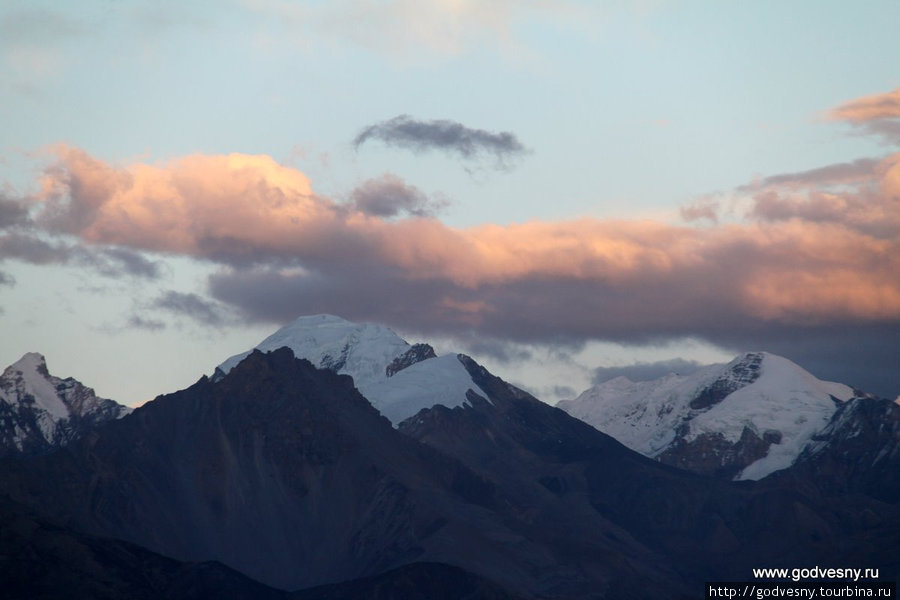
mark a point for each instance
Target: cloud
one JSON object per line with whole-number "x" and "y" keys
{"x": 643, "y": 371}
{"x": 796, "y": 267}
{"x": 863, "y": 195}
{"x": 408, "y": 29}
{"x": 108, "y": 261}
{"x": 7, "y": 279}
{"x": 138, "y": 322}
{"x": 878, "y": 114}
{"x": 117, "y": 261}
{"x": 449, "y": 136}
{"x": 188, "y": 305}
{"x": 704, "y": 208}
{"x": 389, "y": 196}
{"x": 869, "y": 108}
{"x": 12, "y": 212}
{"x": 859, "y": 170}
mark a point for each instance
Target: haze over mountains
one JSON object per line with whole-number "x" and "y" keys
{"x": 337, "y": 452}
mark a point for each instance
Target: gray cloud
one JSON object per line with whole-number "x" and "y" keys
{"x": 138, "y": 322}
{"x": 115, "y": 261}
{"x": 839, "y": 173}
{"x": 33, "y": 250}
{"x": 449, "y": 136}
{"x": 643, "y": 371}
{"x": 12, "y": 212}
{"x": 191, "y": 306}
{"x": 566, "y": 312}
{"x": 7, "y": 279}
{"x": 111, "y": 261}
{"x": 389, "y": 196}
{"x": 564, "y": 392}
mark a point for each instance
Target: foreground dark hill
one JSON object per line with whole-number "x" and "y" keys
{"x": 285, "y": 473}
{"x": 41, "y": 560}
{"x": 708, "y": 529}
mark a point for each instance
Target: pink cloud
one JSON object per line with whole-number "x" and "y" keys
{"x": 878, "y": 114}
{"x": 868, "y": 108}
{"x": 810, "y": 259}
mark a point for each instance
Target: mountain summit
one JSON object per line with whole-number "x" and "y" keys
{"x": 398, "y": 378}
{"x": 40, "y": 412}
{"x": 745, "y": 420}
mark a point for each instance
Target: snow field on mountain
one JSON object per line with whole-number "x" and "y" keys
{"x": 364, "y": 352}
{"x": 647, "y": 416}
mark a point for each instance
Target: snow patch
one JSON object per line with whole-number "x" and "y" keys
{"x": 364, "y": 351}
{"x": 646, "y": 415}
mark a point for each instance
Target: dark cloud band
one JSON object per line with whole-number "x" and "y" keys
{"x": 448, "y": 136}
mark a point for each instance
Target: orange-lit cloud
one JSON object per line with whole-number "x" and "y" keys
{"x": 815, "y": 257}
{"x": 868, "y": 108}
{"x": 878, "y": 114}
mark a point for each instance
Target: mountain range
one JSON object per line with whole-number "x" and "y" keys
{"x": 336, "y": 460}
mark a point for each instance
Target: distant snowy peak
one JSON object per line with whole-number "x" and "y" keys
{"x": 745, "y": 419}
{"x": 362, "y": 350}
{"x": 39, "y": 412}
{"x": 399, "y": 379}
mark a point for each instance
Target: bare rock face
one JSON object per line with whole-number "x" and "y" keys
{"x": 417, "y": 353}
{"x": 713, "y": 454}
{"x": 859, "y": 451}
{"x": 40, "y": 412}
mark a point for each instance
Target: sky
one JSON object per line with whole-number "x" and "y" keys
{"x": 567, "y": 191}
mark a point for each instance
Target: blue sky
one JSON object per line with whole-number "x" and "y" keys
{"x": 627, "y": 112}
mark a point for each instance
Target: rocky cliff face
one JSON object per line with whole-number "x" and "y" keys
{"x": 858, "y": 452}
{"x": 40, "y": 412}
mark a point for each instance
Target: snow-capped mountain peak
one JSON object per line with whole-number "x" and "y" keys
{"x": 31, "y": 372}
{"x": 746, "y": 419}
{"x": 39, "y": 412}
{"x": 399, "y": 379}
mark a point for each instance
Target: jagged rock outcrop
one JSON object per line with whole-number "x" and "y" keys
{"x": 40, "y": 412}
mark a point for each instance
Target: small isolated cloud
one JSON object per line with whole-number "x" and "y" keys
{"x": 878, "y": 114}
{"x": 389, "y": 196}
{"x": 704, "y": 208}
{"x": 644, "y": 371}
{"x": 443, "y": 135}
{"x": 138, "y": 322}
{"x": 192, "y": 306}
{"x": 7, "y": 279}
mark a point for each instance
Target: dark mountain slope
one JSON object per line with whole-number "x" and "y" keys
{"x": 43, "y": 561}
{"x": 285, "y": 473}
{"x": 707, "y": 529}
